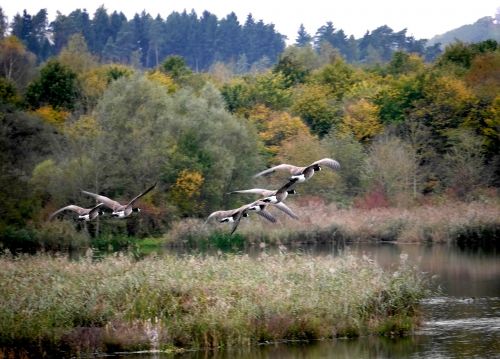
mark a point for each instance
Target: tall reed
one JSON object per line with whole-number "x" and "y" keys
{"x": 196, "y": 302}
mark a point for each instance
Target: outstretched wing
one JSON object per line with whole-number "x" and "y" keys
{"x": 140, "y": 195}
{"x": 93, "y": 209}
{"x": 237, "y": 220}
{"x": 281, "y": 167}
{"x": 327, "y": 162}
{"x": 259, "y": 191}
{"x": 264, "y": 213}
{"x": 283, "y": 207}
{"x": 219, "y": 214}
{"x": 77, "y": 209}
{"x": 105, "y": 200}
{"x": 287, "y": 186}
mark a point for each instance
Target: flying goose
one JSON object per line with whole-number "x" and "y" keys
{"x": 275, "y": 198}
{"x": 302, "y": 174}
{"x": 84, "y": 214}
{"x": 120, "y": 210}
{"x": 234, "y": 215}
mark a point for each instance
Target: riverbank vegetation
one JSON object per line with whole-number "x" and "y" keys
{"x": 200, "y": 302}
{"x": 448, "y": 222}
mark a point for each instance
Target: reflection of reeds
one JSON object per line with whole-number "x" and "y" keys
{"x": 454, "y": 221}
{"x": 159, "y": 303}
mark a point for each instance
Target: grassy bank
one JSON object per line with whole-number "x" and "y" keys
{"x": 196, "y": 302}
{"x": 449, "y": 222}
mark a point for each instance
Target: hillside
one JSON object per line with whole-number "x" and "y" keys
{"x": 483, "y": 29}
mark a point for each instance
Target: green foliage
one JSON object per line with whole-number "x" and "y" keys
{"x": 461, "y": 54}
{"x": 392, "y": 167}
{"x": 8, "y": 94}
{"x": 176, "y": 67}
{"x": 167, "y": 134}
{"x": 352, "y": 157}
{"x": 292, "y": 70}
{"x": 56, "y": 86}
{"x": 314, "y": 104}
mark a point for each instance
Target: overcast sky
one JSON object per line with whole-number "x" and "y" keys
{"x": 422, "y": 18}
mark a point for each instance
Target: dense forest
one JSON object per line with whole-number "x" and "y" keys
{"x": 201, "y": 40}
{"x": 110, "y": 106}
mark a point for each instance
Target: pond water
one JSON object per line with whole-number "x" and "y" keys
{"x": 462, "y": 321}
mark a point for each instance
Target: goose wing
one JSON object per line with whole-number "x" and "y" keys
{"x": 140, "y": 195}
{"x": 259, "y": 191}
{"x": 93, "y": 209}
{"x": 219, "y": 214}
{"x": 104, "y": 200}
{"x": 287, "y": 186}
{"x": 327, "y": 162}
{"x": 283, "y": 207}
{"x": 281, "y": 167}
{"x": 267, "y": 215}
{"x": 77, "y": 209}
{"x": 239, "y": 213}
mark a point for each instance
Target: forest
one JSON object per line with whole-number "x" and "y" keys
{"x": 111, "y": 105}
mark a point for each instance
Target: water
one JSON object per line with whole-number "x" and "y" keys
{"x": 462, "y": 321}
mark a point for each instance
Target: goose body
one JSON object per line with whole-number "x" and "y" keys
{"x": 119, "y": 210}
{"x": 270, "y": 196}
{"x": 302, "y": 174}
{"x": 274, "y": 197}
{"x": 84, "y": 214}
{"x": 234, "y": 215}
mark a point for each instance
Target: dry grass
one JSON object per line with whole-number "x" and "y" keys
{"x": 452, "y": 221}
{"x": 193, "y": 302}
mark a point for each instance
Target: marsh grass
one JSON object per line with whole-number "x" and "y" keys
{"x": 121, "y": 304}
{"x": 449, "y": 222}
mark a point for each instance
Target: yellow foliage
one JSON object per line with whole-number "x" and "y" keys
{"x": 312, "y": 99}
{"x": 95, "y": 81}
{"x": 164, "y": 80}
{"x": 86, "y": 126}
{"x": 186, "y": 190}
{"x": 274, "y": 127}
{"x": 484, "y": 76}
{"x": 492, "y": 128}
{"x": 52, "y": 116}
{"x": 449, "y": 92}
{"x": 361, "y": 119}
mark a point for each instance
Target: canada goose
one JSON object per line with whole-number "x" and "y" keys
{"x": 272, "y": 196}
{"x": 302, "y": 174}
{"x": 120, "y": 210}
{"x": 84, "y": 214}
{"x": 234, "y": 215}
{"x": 275, "y": 198}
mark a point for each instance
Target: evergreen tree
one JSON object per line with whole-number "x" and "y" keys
{"x": 303, "y": 38}
{"x": 229, "y": 39}
{"x": 102, "y": 30}
{"x": 3, "y": 24}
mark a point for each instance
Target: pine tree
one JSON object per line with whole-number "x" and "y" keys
{"x": 303, "y": 37}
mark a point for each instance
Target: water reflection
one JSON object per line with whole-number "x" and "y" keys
{"x": 463, "y": 322}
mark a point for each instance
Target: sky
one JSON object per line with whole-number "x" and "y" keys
{"x": 421, "y": 18}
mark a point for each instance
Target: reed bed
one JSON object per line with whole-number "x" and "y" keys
{"x": 449, "y": 222}
{"x": 168, "y": 302}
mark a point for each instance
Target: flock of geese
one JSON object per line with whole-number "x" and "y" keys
{"x": 267, "y": 198}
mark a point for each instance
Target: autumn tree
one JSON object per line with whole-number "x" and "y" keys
{"x": 16, "y": 63}
{"x": 315, "y": 105}
{"x": 392, "y": 167}
{"x": 464, "y": 164}
{"x": 275, "y": 127}
{"x": 361, "y": 119}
